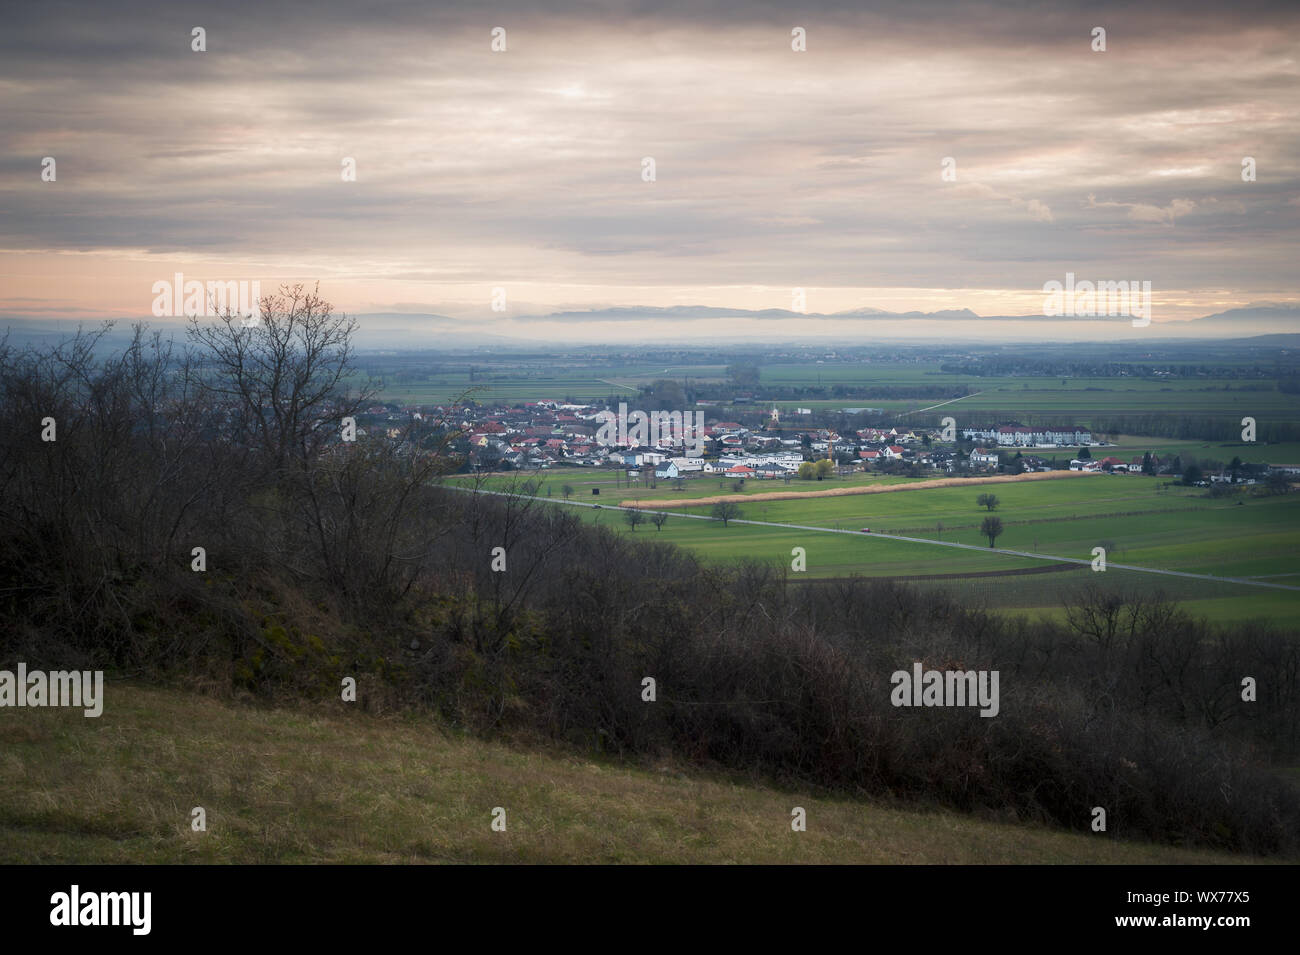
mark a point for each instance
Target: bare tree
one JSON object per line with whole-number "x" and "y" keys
{"x": 725, "y": 511}
{"x": 284, "y": 380}
{"x": 991, "y": 528}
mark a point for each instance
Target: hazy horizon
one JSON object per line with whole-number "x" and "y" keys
{"x": 521, "y": 170}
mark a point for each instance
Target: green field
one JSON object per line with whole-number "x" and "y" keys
{"x": 514, "y": 382}
{"x": 1023, "y": 396}
{"x": 1143, "y": 522}
{"x": 998, "y": 398}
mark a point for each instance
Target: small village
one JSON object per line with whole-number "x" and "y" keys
{"x": 540, "y": 435}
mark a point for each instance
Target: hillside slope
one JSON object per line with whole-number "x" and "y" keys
{"x": 331, "y": 785}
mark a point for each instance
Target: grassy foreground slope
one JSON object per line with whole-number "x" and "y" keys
{"x": 328, "y": 785}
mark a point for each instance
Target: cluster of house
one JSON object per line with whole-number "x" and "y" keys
{"x": 1168, "y": 466}
{"x": 540, "y": 434}
{"x": 1115, "y": 465}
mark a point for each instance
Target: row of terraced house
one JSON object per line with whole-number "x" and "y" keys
{"x": 1018, "y": 436}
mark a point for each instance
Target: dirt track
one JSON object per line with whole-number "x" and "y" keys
{"x": 865, "y": 489}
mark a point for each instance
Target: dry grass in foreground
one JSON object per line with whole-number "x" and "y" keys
{"x": 860, "y": 489}
{"x": 296, "y": 785}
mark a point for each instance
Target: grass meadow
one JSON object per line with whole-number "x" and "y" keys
{"x": 332, "y": 784}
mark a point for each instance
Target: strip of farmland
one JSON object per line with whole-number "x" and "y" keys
{"x": 867, "y": 489}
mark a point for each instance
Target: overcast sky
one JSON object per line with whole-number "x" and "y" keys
{"x": 522, "y": 169}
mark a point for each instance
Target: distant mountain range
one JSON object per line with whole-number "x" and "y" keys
{"x": 1284, "y": 319}
{"x": 688, "y": 312}
{"x": 1264, "y": 318}
{"x": 403, "y": 330}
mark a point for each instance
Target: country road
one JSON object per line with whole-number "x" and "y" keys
{"x": 942, "y": 403}
{"x": 1245, "y": 581}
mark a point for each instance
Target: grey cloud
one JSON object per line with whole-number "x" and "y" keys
{"x": 771, "y": 169}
